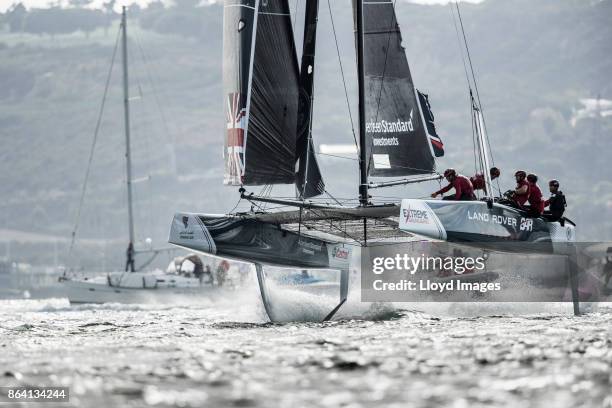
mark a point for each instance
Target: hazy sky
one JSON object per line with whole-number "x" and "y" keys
{"x": 5, "y": 4}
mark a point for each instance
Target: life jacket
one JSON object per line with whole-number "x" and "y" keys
{"x": 463, "y": 187}
{"x": 478, "y": 182}
{"x": 521, "y": 199}
{"x": 556, "y": 204}
{"x": 535, "y": 198}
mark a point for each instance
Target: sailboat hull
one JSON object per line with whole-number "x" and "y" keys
{"x": 135, "y": 287}
{"x": 497, "y": 225}
{"x": 251, "y": 240}
{"x": 264, "y": 243}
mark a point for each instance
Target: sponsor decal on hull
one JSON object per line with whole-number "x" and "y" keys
{"x": 524, "y": 224}
{"x": 188, "y": 231}
{"x": 339, "y": 256}
{"x": 418, "y": 218}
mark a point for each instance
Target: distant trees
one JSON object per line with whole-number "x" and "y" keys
{"x": 79, "y": 3}
{"x": 56, "y": 20}
{"x": 15, "y": 16}
{"x": 185, "y": 18}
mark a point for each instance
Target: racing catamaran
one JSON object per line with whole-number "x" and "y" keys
{"x": 268, "y": 141}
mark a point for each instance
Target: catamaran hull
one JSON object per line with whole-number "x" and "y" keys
{"x": 262, "y": 243}
{"x": 476, "y": 222}
{"x": 256, "y": 242}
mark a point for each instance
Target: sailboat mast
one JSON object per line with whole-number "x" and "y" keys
{"x": 482, "y": 147}
{"x": 363, "y": 161}
{"x": 126, "y": 119}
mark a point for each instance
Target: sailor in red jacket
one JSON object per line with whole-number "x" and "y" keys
{"x": 478, "y": 180}
{"x": 462, "y": 185}
{"x": 536, "y": 204}
{"x": 521, "y": 192}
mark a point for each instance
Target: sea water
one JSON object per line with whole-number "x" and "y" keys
{"x": 226, "y": 353}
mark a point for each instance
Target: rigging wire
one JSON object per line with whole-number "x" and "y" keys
{"x": 425, "y": 171}
{"x": 236, "y": 206}
{"x": 469, "y": 85}
{"x": 336, "y": 156}
{"x": 332, "y": 197}
{"x": 474, "y": 139}
{"x": 348, "y": 104}
{"x": 148, "y": 67}
{"x": 93, "y": 145}
{"x": 467, "y": 77}
{"x": 144, "y": 138}
{"x": 467, "y": 49}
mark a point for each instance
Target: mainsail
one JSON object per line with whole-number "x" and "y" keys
{"x": 396, "y": 140}
{"x": 260, "y": 82}
{"x": 309, "y": 181}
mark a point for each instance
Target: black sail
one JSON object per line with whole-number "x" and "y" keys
{"x": 434, "y": 139}
{"x": 396, "y": 140}
{"x": 309, "y": 180}
{"x": 260, "y": 81}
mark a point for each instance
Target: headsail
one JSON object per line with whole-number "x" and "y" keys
{"x": 395, "y": 134}
{"x": 309, "y": 181}
{"x": 260, "y": 82}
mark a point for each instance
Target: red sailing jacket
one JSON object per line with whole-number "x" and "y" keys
{"x": 521, "y": 199}
{"x": 478, "y": 182}
{"x": 535, "y": 198}
{"x": 462, "y": 186}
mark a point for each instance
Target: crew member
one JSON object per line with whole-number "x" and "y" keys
{"x": 222, "y": 271}
{"x": 520, "y": 195}
{"x": 129, "y": 254}
{"x": 536, "y": 204}
{"x": 478, "y": 180}
{"x": 607, "y": 269}
{"x": 462, "y": 185}
{"x": 198, "y": 266}
{"x": 208, "y": 275}
{"x": 556, "y": 203}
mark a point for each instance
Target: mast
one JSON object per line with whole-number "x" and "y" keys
{"x": 482, "y": 147}
{"x": 363, "y": 159}
{"x": 126, "y": 118}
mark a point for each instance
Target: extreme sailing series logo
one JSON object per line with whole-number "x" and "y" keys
{"x": 415, "y": 216}
{"x": 383, "y": 126}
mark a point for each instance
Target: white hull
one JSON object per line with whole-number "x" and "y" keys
{"x": 139, "y": 288}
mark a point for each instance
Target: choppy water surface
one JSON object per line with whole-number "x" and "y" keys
{"x": 227, "y": 355}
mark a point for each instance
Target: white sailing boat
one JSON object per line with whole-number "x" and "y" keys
{"x": 134, "y": 285}
{"x": 269, "y": 100}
